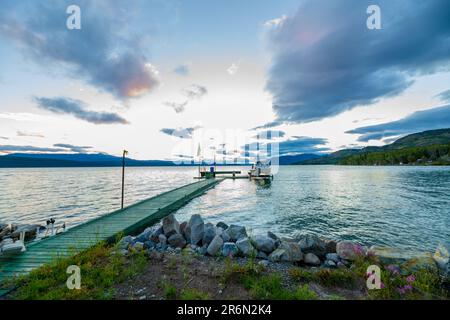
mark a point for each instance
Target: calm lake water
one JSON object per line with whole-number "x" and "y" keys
{"x": 407, "y": 207}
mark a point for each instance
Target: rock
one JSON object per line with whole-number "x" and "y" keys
{"x": 196, "y": 227}
{"x": 442, "y": 257}
{"x": 187, "y": 233}
{"x": 170, "y": 225}
{"x": 332, "y": 257}
{"x": 215, "y": 246}
{"x": 162, "y": 239}
{"x": 293, "y": 251}
{"x": 422, "y": 262}
{"x": 245, "y": 246}
{"x": 2, "y": 226}
{"x": 236, "y": 232}
{"x": 225, "y": 237}
{"x": 125, "y": 242}
{"x": 312, "y": 259}
{"x": 161, "y": 246}
{"x": 177, "y": 240}
{"x": 263, "y": 243}
{"x": 279, "y": 255}
{"x": 202, "y": 250}
{"x": 138, "y": 246}
{"x": 341, "y": 265}
{"x": 395, "y": 256}
{"x": 155, "y": 234}
{"x": 264, "y": 263}
{"x": 5, "y": 232}
{"x": 272, "y": 235}
{"x": 349, "y": 250}
{"x": 329, "y": 264}
{"x": 330, "y": 246}
{"x": 149, "y": 244}
{"x": 310, "y": 243}
{"x": 209, "y": 232}
{"x": 183, "y": 226}
{"x": 145, "y": 235}
{"x": 262, "y": 255}
{"x": 222, "y": 225}
{"x": 229, "y": 249}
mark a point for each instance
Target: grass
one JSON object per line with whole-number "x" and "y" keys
{"x": 100, "y": 268}
{"x": 326, "y": 277}
{"x": 194, "y": 294}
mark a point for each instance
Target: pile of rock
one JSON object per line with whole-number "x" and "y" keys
{"x": 208, "y": 239}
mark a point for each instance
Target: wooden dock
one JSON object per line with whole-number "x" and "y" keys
{"x": 130, "y": 220}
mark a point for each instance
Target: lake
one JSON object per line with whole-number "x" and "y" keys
{"x": 407, "y": 207}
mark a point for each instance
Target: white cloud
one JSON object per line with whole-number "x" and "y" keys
{"x": 233, "y": 69}
{"x": 274, "y": 23}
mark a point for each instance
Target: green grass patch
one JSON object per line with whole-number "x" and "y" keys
{"x": 194, "y": 294}
{"x": 100, "y": 269}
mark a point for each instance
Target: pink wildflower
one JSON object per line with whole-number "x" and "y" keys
{"x": 411, "y": 278}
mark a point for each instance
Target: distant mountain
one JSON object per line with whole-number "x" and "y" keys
{"x": 29, "y": 160}
{"x": 292, "y": 159}
{"x": 419, "y": 140}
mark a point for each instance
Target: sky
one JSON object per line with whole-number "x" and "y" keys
{"x": 159, "y": 78}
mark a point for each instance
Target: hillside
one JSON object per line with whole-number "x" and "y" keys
{"x": 430, "y": 140}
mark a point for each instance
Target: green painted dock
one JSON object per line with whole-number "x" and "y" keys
{"x": 130, "y": 220}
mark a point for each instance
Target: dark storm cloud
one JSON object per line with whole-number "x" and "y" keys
{"x": 295, "y": 145}
{"x": 436, "y": 118}
{"x": 79, "y": 110}
{"x": 326, "y": 61}
{"x": 102, "y": 52}
{"x": 77, "y": 149}
{"x": 183, "y": 133}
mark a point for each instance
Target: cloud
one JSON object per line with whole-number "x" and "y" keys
{"x": 4, "y": 138}
{"x": 13, "y": 148}
{"x": 77, "y": 149}
{"x": 104, "y": 52}
{"x": 436, "y": 118}
{"x": 275, "y": 22}
{"x": 192, "y": 92}
{"x": 326, "y": 61}
{"x": 30, "y": 134}
{"x": 295, "y": 145}
{"x": 183, "y": 133}
{"x": 444, "y": 96}
{"x": 77, "y": 108}
{"x": 178, "y": 107}
{"x": 195, "y": 91}
{"x": 182, "y": 70}
{"x": 233, "y": 69}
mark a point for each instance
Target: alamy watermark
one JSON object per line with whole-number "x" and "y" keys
{"x": 74, "y": 280}
{"x": 374, "y": 20}
{"x": 73, "y": 21}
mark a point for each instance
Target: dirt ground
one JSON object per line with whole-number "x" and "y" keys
{"x": 204, "y": 274}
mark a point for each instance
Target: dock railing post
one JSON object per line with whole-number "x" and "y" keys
{"x": 125, "y": 152}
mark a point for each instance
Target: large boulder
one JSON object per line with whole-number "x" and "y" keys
{"x": 263, "y": 243}
{"x": 348, "y": 250}
{"x": 177, "y": 241}
{"x": 2, "y": 226}
{"x": 312, "y": 259}
{"x": 170, "y": 225}
{"x": 442, "y": 258}
{"x": 209, "y": 232}
{"x": 125, "y": 242}
{"x": 236, "y": 232}
{"x": 215, "y": 246}
{"x": 310, "y": 243}
{"x": 279, "y": 255}
{"x": 5, "y": 232}
{"x": 293, "y": 251}
{"x": 229, "y": 249}
{"x": 245, "y": 246}
{"x": 183, "y": 226}
{"x": 196, "y": 228}
{"x": 396, "y": 256}
{"x": 222, "y": 225}
{"x": 145, "y": 235}
{"x": 332, "y": 257}
{"x": 155, "y": 234}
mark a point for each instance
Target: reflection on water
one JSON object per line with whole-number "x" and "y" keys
{"x": 398, "y": 206}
